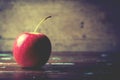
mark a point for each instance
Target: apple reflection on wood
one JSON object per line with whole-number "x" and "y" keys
{"x": 32, "y": 49}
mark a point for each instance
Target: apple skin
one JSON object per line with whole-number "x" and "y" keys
{"x": 31, "y": 49}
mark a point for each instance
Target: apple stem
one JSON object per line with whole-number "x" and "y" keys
{"x": 44, "y": 19}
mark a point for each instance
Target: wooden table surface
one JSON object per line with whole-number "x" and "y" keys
{"x": 64, "y": 66}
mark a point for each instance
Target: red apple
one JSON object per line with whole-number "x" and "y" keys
{"x": 31, "y": 49}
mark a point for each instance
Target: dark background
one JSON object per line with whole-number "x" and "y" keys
{"x": 76, "y": 25}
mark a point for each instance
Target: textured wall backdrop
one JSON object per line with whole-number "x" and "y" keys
{"x": 76, "y": 25}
